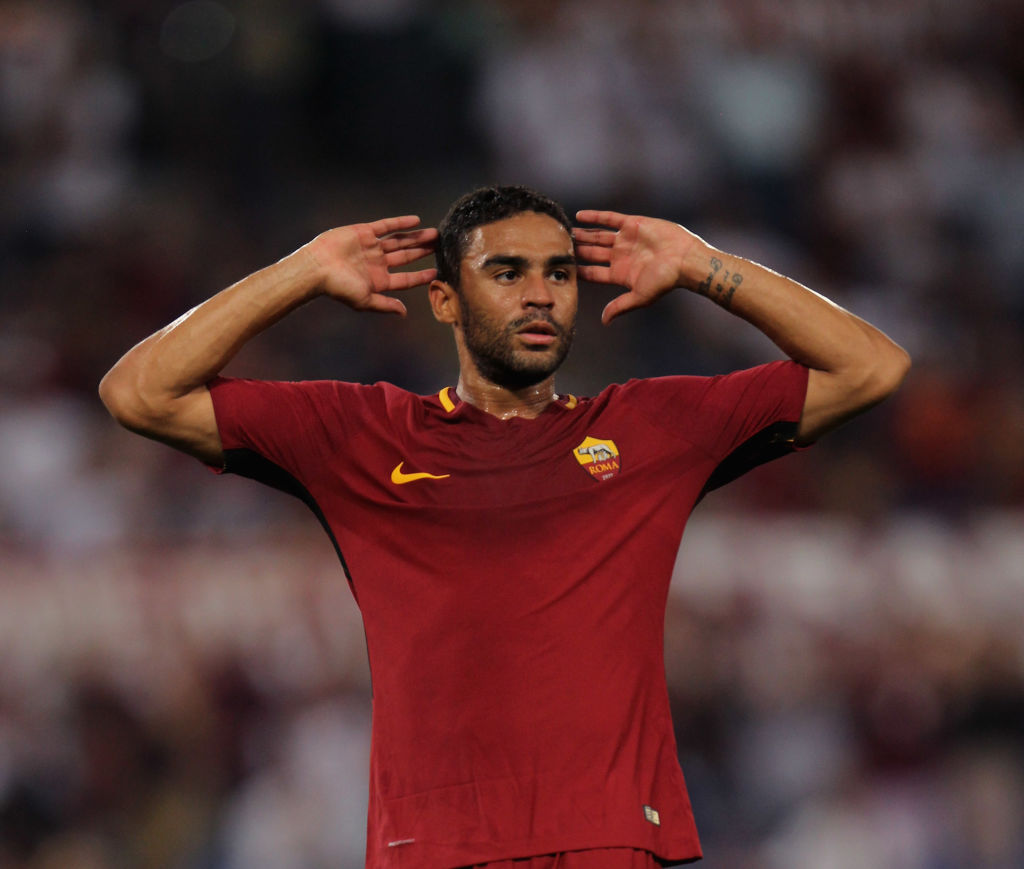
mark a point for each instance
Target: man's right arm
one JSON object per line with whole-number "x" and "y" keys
{"x": 158, "y": 388}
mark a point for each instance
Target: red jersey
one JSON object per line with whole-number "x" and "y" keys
{"x": 512, "y": 577}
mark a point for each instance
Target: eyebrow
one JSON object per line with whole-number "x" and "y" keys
{"x": 520, "y": 262}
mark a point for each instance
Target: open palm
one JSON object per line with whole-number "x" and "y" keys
{"x": 642, "y": 254}
{"x": 357, "y": 261}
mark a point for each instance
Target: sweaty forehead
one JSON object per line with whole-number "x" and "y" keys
{"x": 531, "y": 235}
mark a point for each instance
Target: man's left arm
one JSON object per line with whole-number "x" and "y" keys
{"x": 853, "y": 365}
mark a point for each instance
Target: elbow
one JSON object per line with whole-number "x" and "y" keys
{"x": 116, "y": 396}
{"x": 896, "y": 368}
{"x": 836, "y": 397}
{"x": 885, "y": 373}
{"x": 124, "y": 401}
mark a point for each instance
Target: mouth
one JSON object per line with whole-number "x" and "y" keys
{"x": 538, "y": 333}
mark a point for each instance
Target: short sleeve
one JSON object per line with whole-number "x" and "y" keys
{"x": 279, "y": 432}
{"x": 741, "y": 419}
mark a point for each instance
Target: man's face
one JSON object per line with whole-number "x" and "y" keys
{"x": 518, "y": 295}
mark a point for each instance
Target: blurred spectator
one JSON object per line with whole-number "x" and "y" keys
{"x": 183, "y": 678}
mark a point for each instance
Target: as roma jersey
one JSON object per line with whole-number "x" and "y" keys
{"x": 512, "y": 577}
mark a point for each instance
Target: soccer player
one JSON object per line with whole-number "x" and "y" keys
{"x": 510, "y": 548}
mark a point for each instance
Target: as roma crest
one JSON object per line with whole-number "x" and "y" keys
{"x": 599, "y": 456}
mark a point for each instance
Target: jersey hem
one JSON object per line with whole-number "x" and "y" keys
{"x": 403, "y": 853}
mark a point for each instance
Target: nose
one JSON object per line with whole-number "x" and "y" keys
{"x": 537, "y": 293}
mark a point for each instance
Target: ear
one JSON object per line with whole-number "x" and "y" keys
{"x": 444, "y": 302}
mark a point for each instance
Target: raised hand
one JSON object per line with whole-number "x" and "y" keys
{"x": 643, "y": 254}
{"x": 356, "y": 261}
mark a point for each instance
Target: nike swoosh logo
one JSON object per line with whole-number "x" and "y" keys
{"x": 400, "y": 479}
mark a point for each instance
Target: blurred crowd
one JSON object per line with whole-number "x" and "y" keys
{"x": 845, "y": 654}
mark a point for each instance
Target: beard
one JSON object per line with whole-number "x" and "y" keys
{"x": 491, "y": 345}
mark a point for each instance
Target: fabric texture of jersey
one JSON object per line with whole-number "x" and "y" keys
{"x": 512, "y": 577}
{"x": 604, "y": 858}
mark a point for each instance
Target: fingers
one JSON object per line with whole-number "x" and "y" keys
{"x": 593, "y": 254}
{"x": 601, "y": 237}
{"x": 417, "y": 238}
{"x": 620, "y": 305}
{"x": 406, "y": 255}
{"x": 394, "y": 224}
{"x": 602, "y": 218}
{"x": 408, "y": 280}
{"x": 595, "y": 274}
{"x": 382, "y": 304}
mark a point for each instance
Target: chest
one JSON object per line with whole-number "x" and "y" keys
{"x": 579, "y": 460}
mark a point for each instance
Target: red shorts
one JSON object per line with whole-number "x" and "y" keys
{"x": 598, "y": 858}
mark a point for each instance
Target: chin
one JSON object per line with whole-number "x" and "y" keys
{"x": 517, "y": 368}
{"x": 519, "y": 376}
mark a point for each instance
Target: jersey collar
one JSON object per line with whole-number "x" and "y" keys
{"x": 450, "y": 400}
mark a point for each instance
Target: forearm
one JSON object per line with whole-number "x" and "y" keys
{"x": 853, "y": 365}
{"x": 183, "y": 356}
{"x": 805, "y": 325}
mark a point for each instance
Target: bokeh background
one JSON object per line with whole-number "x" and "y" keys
{"x": 183, "y": 679}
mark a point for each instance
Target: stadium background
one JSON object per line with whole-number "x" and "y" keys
{"x": 182, "y": 673}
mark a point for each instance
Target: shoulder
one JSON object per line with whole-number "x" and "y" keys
{"x": 782, "y": 376}
{"x": 312, "y": 392}
{"x": 332, "y": 404}
{"x": 649, "y": 391}
{"x": 705, "y": 407}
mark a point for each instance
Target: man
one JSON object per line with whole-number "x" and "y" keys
{"x": 510, "y": 548}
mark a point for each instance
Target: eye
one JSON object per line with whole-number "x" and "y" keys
{"x": 560, "y": 275}
{"x": 506, "y": 276}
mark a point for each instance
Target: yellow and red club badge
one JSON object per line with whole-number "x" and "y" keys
{"x": 599, "y": 456}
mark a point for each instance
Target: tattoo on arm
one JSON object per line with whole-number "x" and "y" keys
{"x": 720, "y": 290}
{"x": 725, "y": 296}
{"x": 704, "y": 287}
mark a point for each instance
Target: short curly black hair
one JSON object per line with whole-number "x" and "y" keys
{"x": 480, "y": 207}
